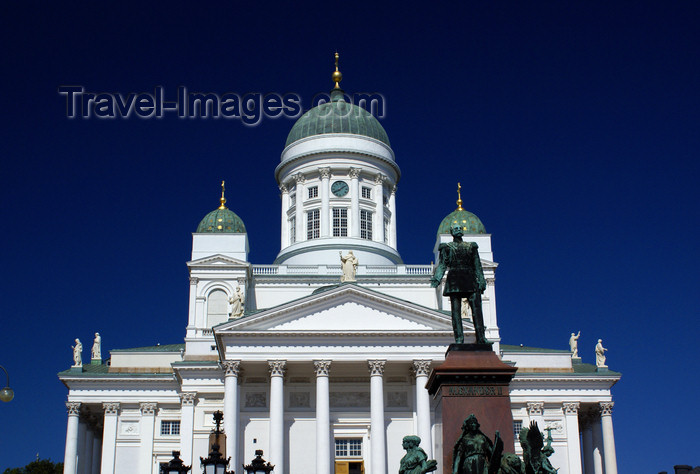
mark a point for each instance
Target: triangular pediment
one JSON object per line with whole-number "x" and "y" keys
{"x": 217, "y": 260}
{"x": 345, "y": 309}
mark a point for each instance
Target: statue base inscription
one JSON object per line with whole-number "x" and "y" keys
{"x": 471, "y": 380}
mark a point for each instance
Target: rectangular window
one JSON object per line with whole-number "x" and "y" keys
{"x": 517, "y": 426}
{"x": 340, "y": 222}
{"x": 292, "y": 230}
{"x": 366, "y": 225}
{"x": 348, "y": 448}
{"x": 313, "y": 224}
{"x": 313, "y": 192}
{"x": 169, "y": 427}
{"x": 366, "y": 193}
{"x": 292, "y": 200}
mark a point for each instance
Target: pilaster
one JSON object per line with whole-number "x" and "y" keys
{"x": 109, "y": 436}
{"x": 572, "y": 436}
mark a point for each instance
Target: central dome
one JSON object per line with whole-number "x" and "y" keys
{"x": 337, "y": 116}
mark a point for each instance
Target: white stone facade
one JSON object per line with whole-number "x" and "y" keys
{"x": 324, "y": 377}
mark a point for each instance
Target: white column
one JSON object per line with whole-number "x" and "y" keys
{"x": 87, "y": 450}
{"x": 378, "y": 435}
{"x": 535, "y": 411}
{"x": 109, "y": 437}
{"x": 284, "y": 234}
{"x": 300, "y": 180}
{"x": 96, "y": 450}
{"x": 392, "y": 222}
{"x": 82, "y": 429}
{"x": 597, "y": 446}
{"x": 572, "y": 436}
{"x": 148, "y": 419}
{"x": 70, "y": 459}
{"x": 277, "y": 369}
{"x": 354, "y": 202}
{"x": 608, "y": 437}
{"x": 231, "y": 408}
{"x": 323, "y": 418}
{"x": 192, "y": 319}
{"x": 421, "y": 369}
{"x": 187, "y": 400}
{"x": 325, "y": 201}
{"x": 379, "y": 210}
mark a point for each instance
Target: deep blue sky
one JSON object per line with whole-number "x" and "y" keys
{"x": 573, "y": 127}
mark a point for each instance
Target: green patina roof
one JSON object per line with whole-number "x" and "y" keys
{"x": 158, "y": 348}
{"x": 337, "y": 116}
{"x": 469, "y": 222}
{"x": 222, "y": 220}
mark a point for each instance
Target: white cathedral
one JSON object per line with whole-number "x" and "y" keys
{"x": 321, "y": 364}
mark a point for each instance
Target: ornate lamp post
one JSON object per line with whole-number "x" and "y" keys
{"x": 6, "y": 394}
{"x": 258, "y": 465}
{"x": 215, "y": 463}
{"x": 175, "y": 466}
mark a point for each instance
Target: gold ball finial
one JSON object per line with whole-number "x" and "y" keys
{"x": 337, "y": 75}
{"x": 459, "y": 197}
{"x": 223, "y": 199}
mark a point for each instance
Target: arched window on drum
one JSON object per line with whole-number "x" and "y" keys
{"x": 217, "y": 308}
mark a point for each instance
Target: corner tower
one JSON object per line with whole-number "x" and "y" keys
{"x": 338, "y": 181}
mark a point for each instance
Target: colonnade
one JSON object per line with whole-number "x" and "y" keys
{"x": 377, "y": 190}
{"x": 591, "y": 442}
{"x": 83, "y": 441}
{"x": 324, "y": 453}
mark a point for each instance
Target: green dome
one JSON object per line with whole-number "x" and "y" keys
{"x": 469, "y": 222}
{"x": 337, "y": 116}
{"x": 222, "y": 220}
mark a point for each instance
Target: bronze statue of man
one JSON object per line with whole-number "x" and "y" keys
{"x": 465, "y": 279}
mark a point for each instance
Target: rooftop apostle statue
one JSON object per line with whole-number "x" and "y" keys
{"x": 77, "y": 353}
{"x": 348, "y": 264}
{"x": 465, "y": 279}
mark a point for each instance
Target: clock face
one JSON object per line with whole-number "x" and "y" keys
{"x": 340, "y": 188}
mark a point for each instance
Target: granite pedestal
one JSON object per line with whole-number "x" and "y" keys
{"x": 471, "y": 380}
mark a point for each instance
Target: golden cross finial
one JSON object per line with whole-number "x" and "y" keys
{"x": 337, "y": 75}
{"x": 223, "y": 199}
{"x": 459, "y": 197}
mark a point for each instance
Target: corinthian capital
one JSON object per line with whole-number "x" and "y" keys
{"x": 354, "y": 173}
{"x": 421, "y": 368}
{"x": 148, "y": 408}
{"x": 299, "y": 178}
{"x": 606, "y": 408}
{"x": 322, "y": 367}
{"x": 571, "y": 408}
{"x": 73, "y": 408}
{"x": 277, "y": 367}
{"x": 379, "y": 179}
{"x": 187, "y": 398}
{"x": 283, "y": 188}
{"x": 111, "y": 408}
{"x": 535, "y": 408}
{"x": 231, "y": 368}
{"x": 376, "y": 367}
{"x": 324, "y": 172}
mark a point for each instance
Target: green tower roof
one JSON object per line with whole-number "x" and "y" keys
{"x": 337, "y": 116}
{"x": 469, "y": 222}
{"x": 222, "y": 220}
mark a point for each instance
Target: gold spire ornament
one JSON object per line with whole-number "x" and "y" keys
{"x": 459, "y": 197}
{"x": 337, "y": 75}
{"x": 223, "y": 199}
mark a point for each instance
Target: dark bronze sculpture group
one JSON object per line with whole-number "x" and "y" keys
{"x": 475, "y": 453}
{"x": 465, "y": 279}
